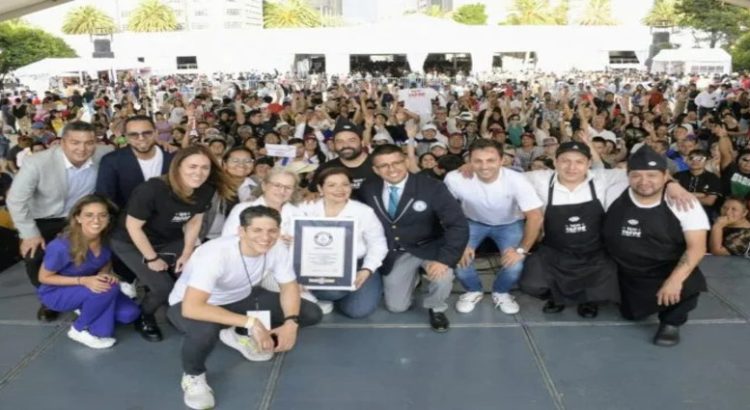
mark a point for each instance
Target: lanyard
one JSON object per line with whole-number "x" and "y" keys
{"x": 247, "y": 273}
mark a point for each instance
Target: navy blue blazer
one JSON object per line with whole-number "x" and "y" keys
{"x": 119, "y": 173}
{"x": 429, "y": 222}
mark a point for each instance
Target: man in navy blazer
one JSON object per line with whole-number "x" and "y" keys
{"x": 122, "y": 170}
{"x": 425, "y": 227}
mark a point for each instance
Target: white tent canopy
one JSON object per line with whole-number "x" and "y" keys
{"x": 10, "y": 9}
{"x": 38, "y": 75}
{"x": 693, "y": 60}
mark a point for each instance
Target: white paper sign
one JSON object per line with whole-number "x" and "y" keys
{"x": 283, "y": 151}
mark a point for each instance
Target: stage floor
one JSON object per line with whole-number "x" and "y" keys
{"x": 487, "y": 360}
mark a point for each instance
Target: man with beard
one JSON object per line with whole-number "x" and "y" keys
{"x": 347, "y": 142}
{"x": 657, "y": 248}
{"x": 119, "y": 174}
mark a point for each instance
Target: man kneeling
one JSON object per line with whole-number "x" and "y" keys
{"x": 217, "y": 289}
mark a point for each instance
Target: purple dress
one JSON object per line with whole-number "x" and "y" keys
{"x": 99, "y": 311}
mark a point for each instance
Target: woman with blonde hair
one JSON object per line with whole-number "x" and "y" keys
{"x": 76, "y": 274}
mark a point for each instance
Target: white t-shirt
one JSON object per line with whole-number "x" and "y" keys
{"x": 609, "y": 184}
{"x": 216, "y": 268}
{"x": 500, "y": 202}
{"x": 152, "y": 167}
{"x": 606, "y": 134}
{"x": 418, "y": 100}
{"x": 694, "y": 219}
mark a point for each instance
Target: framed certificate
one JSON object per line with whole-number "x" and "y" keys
{"x": 323, "y": 253}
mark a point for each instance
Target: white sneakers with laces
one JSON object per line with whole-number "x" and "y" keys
{"x": 326, "y": 306}
{"x": 128, "y": 289}
{"x": 86, "y": 338}
{"x": 245, "y": 345}
{"x": 505, "y": 302}
{"x": 468, "y": 301}
{"x": 197, "y": 393}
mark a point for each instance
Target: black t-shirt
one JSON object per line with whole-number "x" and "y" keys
{"x": 735, "y": 183}
{"x": 706, "y": 183}
{"x": 359, "y": 174}
{"x": 165, "y": 213}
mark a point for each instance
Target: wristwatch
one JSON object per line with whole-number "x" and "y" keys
{"x": 293, "y": 318}
{"x": 521, "y": 251}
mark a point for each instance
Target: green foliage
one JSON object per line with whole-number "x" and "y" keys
{"x": 662, "y": 14}
{"x": 471, "y": 14}
{"x": 435, "y": 11}
{"x": 741, "y": 53}
{"x": 290, "y": 14}
{"x": 722, "y": 22}
{"x": 87, "y": 20}
{"x": 537, "y": 12}
{"x": 152, "y": 16}
{"x": 22, "y": 45}
{"x": 598, "y": 13}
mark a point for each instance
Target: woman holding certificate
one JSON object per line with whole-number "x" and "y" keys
{"x": 370, "y": 247}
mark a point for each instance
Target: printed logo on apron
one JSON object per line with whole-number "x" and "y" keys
{"x": 575, "y": 226}
{"x": 631, "y": 230}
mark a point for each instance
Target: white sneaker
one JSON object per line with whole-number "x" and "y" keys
{"x": 86, "y": 338}
{"x": 468, "y": 301}
{"x": 198, "y": 394}
{"x": 245, "y": 345}
{"x": 505, "y": 302}
{"x": 326, "y": 306}
{"x": 77, "y": 312}
{"x": 128, "y": 289}
{"x": 308, "y": 296}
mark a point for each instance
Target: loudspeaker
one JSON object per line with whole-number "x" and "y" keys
{"x": 102, "y": 48}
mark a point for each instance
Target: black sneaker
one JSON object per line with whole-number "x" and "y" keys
{"x": 588, "y": 310}
{"x": 667, "y": 335}
{"x": 47, "y": 315}
{"x": 552, "y": 307}
{"x": 438, "y": 321}
{"x": 147, "y": 327}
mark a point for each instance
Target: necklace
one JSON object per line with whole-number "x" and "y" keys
{"x": 244, "y": 265}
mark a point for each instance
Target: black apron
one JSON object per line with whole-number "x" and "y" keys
{"x": 647, "y": 244}
{"x": 571, "y": 261}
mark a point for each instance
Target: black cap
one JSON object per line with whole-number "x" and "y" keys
{"x": 347, "y": 126}
{"x": 573, "y": 146}
{"x": 646, "y": 159}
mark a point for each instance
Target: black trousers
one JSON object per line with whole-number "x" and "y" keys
{"x": 159, "y": 284}
{"x": 49, "y": 228}
{"x": 675, "y": 315}
{"x": 201, "y": 337}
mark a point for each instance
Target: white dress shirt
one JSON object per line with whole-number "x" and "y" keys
{"x": 288, "y": 212}
{"x": 387, "y": 191}
{"x": 369, "y": 238}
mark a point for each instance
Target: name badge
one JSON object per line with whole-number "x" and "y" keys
{"x": 419, "y": 206}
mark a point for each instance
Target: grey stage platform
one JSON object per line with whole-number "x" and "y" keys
{"x": 486, "y": 361}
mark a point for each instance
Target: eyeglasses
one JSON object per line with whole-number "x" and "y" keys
{"x": 235, "y": 161}
{"x": 139, "y": 135}
{"x": 697, "y": 158}
{"x": 281, "y": 187}
{"x": 394, "y": 164}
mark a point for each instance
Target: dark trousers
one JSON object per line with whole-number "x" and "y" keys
{"x": 201, "y": 337}
{"x": 159, "y": 284}
{"x": 675, "y": 315}
{"x": 49, "y": 228}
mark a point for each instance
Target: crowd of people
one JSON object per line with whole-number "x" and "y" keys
{"x": 590, "y": 188}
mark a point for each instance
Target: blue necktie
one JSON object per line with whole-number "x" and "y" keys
{"x": 392, "y": 200}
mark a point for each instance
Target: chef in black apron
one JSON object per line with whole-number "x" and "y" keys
{"x": 657, "y": 249}
{"x": 571, "y": 264}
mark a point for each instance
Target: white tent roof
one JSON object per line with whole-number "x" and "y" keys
{"x": 10, "y": 9}
{"x": 59, "y": 66}
{"x": 693, "y": 54}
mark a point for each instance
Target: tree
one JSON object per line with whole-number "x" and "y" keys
{"x": 471, "y": 14}
{"x": 662, "y": 14}
{"x": 289, "y": 14}
{"x": 598, "y": 13}
{"x": 435, "y": 11}
{"x": 152, "y": 16}
{"x": 529, "y": 12}
{"x": 87, "y": 20}
{"x": 560, "y": 13}
{"x": 741, "y": 53}
{"x": 22, "y": 45}
{"x": 713, "y": 21}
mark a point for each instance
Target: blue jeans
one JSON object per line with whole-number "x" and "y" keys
{"x": 359, "y": 303}
{"x": 505, "y": 236}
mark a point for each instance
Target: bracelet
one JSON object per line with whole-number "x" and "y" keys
{"x": 154, "y": 259}
{"x": 294, "y": 318}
